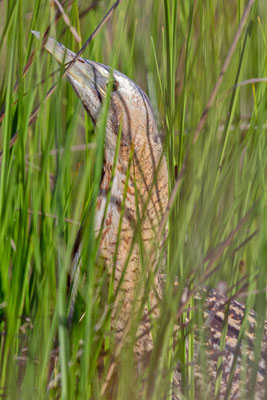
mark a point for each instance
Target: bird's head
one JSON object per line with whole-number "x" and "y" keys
{"x": 129, "y": 108}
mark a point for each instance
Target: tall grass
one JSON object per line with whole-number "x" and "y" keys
{"x": 175, "y": 52}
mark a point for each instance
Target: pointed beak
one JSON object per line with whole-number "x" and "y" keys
{"x": 84, "y": 72}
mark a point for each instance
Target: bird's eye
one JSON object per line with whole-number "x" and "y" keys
{"x": 114, "y": 86}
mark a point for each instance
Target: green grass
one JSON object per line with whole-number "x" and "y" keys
{"x": 175, "y": 52}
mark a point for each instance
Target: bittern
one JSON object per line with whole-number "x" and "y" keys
{"x": 140, "y": 188}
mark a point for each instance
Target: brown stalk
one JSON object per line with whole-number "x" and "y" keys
{"x": 67, "y": 21}
{"x": 53, "y": 216}
{"x": 53, "y": 87}
{"x": 223, "y": 71}
{"x": 29, "y": 63}
{"x": 213, "y": 255}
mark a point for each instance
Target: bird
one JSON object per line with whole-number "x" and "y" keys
{"x": 132, "y": 201}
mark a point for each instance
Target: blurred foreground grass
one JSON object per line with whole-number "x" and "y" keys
{"x": 174, "y": 51}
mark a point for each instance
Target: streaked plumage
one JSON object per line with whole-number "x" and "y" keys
{"x": 145, "y": 203}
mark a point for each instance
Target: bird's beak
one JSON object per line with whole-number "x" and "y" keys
{"x": 84, "y": 72}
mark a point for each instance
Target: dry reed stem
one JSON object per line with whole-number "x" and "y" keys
{"x": 223, "y": 71}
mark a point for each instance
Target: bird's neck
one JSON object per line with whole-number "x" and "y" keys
{"x": 132, "y": 199}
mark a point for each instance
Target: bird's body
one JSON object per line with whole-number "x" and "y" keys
{"x": 130, "y": 222}
{"x": 143, "y": 196}
{"x": 121, "y": 233}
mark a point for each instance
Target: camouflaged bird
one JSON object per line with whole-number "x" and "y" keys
{"x": 140, "y": 189}
{"x": 146, "y": 198}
